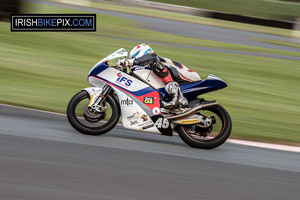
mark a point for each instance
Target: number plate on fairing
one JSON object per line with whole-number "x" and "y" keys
{"x": 162, "y": 124}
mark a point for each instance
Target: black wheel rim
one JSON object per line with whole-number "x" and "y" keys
{"x": 215, "y": 134}
{"x": 78, "y": 114}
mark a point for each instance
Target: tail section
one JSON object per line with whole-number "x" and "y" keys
{"x": 194, "y": 89}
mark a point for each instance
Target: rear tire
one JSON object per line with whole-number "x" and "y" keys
{"x": 76, "y": 122}
{"x": 209, "y": 143}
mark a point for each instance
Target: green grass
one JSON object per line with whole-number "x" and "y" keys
{"x": 110, "y": 26}
{"x": 259, "y": 8}
{"x": 45, "y": 69}
{"x": 295, "y": 44}
{"x": 183, "y": 17}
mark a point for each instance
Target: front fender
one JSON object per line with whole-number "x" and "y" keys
{"x": 94, "y": 93}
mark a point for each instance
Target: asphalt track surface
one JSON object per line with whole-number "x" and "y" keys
{"x": 196, "y": 31}
{"x": 43, "y": 157}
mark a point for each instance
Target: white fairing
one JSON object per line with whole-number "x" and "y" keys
{"x": 150, "y": 78}
{"x": 213, "y": 77}
{"x": 94, "y": 93}
{"x": 96, "y": 82}
{"x": 113, "y": 76}
{"x": 133, "y": 116}
{"x": 93, "y": 90}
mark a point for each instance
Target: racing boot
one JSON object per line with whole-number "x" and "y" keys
{"x": 178, "y": 100}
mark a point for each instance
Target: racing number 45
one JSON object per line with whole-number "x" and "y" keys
{"x": 162, "y": 123}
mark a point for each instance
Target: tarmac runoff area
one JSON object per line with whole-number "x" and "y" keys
{"x": 233, "y": 141}
{"x": 43, "y": 157}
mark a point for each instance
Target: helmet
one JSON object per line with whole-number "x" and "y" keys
{"x": 140, "y": 50}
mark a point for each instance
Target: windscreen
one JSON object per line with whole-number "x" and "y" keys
{"x": 116, "y": 55}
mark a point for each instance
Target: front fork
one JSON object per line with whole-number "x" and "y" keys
{"x": 98, "y": 97}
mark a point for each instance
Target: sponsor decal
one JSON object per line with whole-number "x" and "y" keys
{"x": 126, "y": 102}
{"x": 133, "y": 116}
{"x": 145, "y": 124}
{"x": 122, "y": 80}
{"x": 146, "y": 127}
{"x": 148, "y": 100}
{"x": 134, "y": 122}
{"x": 144, "y": 117}
{"x": 156, "y": 110}
{"x": 188, "y": 121}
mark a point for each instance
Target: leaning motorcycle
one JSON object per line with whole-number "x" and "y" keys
{"x": 136, "y": 96}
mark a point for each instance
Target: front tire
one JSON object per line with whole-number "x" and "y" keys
{"x": 198, "y": 141}
{"x": 80, "y": 122}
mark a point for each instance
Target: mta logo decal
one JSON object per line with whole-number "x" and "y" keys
{"x": 123, "y": 80}
{"x": 126, "y": 102}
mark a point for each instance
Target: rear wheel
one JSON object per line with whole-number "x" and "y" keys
{"x": 92, "y": 123}
{"x": 212, "y": 136}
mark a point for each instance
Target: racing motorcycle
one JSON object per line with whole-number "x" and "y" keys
{"x": 135, "y": 95}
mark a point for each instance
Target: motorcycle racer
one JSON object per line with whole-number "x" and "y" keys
{"x": 143, "y": 54}
{"x": 135, "y": 96}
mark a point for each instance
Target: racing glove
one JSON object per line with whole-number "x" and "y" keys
{"x": 123, "y": 63}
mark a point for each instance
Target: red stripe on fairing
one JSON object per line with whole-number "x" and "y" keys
{"x": 153, "y": 94}
{"x": 185, "y": 77}
{"x": 156, "y": 102}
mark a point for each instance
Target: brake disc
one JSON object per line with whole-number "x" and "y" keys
{"x": 93, "y": 116}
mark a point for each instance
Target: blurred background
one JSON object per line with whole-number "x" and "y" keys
{"x": 259, "y": 59}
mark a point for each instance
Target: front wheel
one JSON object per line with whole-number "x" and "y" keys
{"x": 208, "y": 137}
{"x": 91, "y": 123}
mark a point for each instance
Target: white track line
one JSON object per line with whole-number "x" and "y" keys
{"x": 35, "y": 110}
{"x": 266, "y": 145}
{"x": 233, "y": 141}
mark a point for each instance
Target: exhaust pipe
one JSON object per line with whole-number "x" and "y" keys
{"x": 207, "y": 104}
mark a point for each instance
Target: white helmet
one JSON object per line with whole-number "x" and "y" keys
{"x": 140, "y": 50}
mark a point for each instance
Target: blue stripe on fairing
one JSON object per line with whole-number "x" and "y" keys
{"x": 192, "y": 90}
{"x": 163, "y": 93}
{"x": 102, "y": 66}
{"x": 136, "y": 93}
{"x": 98, "y": 68}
